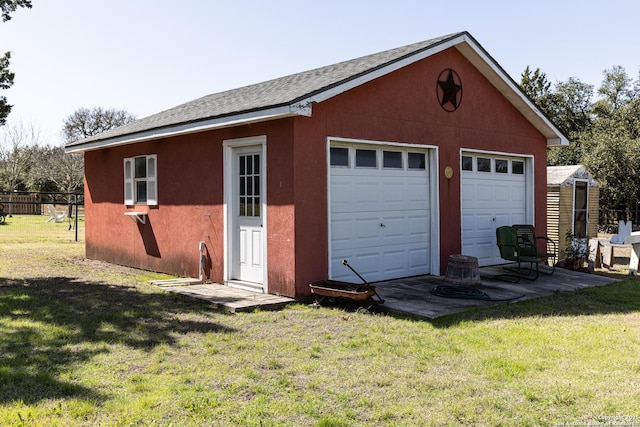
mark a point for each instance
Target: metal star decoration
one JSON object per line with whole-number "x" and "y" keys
{"x": 449, "y": 90}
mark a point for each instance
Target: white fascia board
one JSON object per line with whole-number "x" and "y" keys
{"x": 501, "y": 80}
{"x": 187, "y": 128}
{"x": 481, "y": 60}
{"x": 367, "y": 77}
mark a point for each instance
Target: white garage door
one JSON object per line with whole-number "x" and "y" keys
{"x": 379, "y": 212}
{"x": 494, "y": 193}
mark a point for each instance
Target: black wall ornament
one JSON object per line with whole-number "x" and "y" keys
{"x": 449, "y": 90}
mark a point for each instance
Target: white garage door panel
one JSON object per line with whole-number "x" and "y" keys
{"x": 379, "y": 221}
{"x": 349, "y": 232}
{"x": 375, "y": 265}
{"x": 490, "y": 200}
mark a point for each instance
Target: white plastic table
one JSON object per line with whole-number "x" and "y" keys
{"x": 634, "y": 241}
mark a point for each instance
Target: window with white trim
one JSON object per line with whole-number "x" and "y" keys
{"x": 140, "y": 180}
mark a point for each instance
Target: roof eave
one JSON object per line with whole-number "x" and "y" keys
{"x": 192, "y": 127}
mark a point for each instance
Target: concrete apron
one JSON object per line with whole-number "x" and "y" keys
{"x": 412, "y": 296}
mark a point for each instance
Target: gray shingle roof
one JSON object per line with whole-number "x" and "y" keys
{"x": 272, "y": 93}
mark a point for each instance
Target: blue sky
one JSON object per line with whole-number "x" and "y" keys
{"x": 145, "y": 56}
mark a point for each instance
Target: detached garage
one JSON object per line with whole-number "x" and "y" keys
{"x": 393, "y": 161}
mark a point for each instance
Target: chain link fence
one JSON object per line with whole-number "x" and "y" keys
{"x": 41, "y": 216}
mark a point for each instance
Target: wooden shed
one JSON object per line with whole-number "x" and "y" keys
{"x": 572, "y": 203}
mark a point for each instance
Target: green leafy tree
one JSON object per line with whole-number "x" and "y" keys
{"x": 616, "y": 91}
{"x": 630, "y": 117}
{"x": 611, "y": 161}
{"x": 614, "y": 157}
{"x": 6, "y": 77}
{"x": 7, "y": 7}
{"x": 567, "y": 104}
{"x": 571, "y": 106}
{"x": 6, "y": 81}
{"x": 537, "y": 87}
{"x": 604, "y": 134}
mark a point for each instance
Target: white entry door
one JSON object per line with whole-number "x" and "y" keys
{"x": 246, "y": 222}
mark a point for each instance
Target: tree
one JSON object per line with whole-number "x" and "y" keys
{"x": 56, "y": 171}
{"x": 86, "y": 122}
{"x": 6, "y": 77}
{"x": 616, "y": 90}
{"x": 9, "y": 6}
{"x": 567, "y": 104}
{"x": 67, "y": 170}
{"x": 571, "y": 109}
{"x": 17, "y": 148}
{"x": 6, "y": 81}
{"x": 537, "y": 87}
{"x": 604, "y": 135}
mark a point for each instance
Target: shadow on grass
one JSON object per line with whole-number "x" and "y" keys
{"x": 614, "y": 298}
{"x": 50, "y": 326}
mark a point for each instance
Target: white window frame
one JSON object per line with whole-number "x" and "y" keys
{"x": 130, "y": 196}
{"x": 575, "y": 210}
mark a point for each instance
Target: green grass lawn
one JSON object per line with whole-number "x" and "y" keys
{"x": 35, "y": 228}
{"x": 87, "y": 343}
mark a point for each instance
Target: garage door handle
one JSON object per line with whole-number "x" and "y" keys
{"x": 382, "y": 225}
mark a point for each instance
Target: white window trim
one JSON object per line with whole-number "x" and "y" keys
{"x": 130, "y": 197}
{"x": 573, "y": 210}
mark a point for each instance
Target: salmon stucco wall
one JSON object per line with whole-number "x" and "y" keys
{"x": 190, "y": 205}
{"x": 189, "y": 209}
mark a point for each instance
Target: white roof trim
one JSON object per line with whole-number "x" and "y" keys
{"x": 501, "y": 80}
{"x": 186, "y": 128}
{"x": 483, "y": 62}
{"x": 369, "y": 76}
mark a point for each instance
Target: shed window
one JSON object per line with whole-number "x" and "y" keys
{"x": 580, "y": 209}
{"x": 140, "y": 180}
